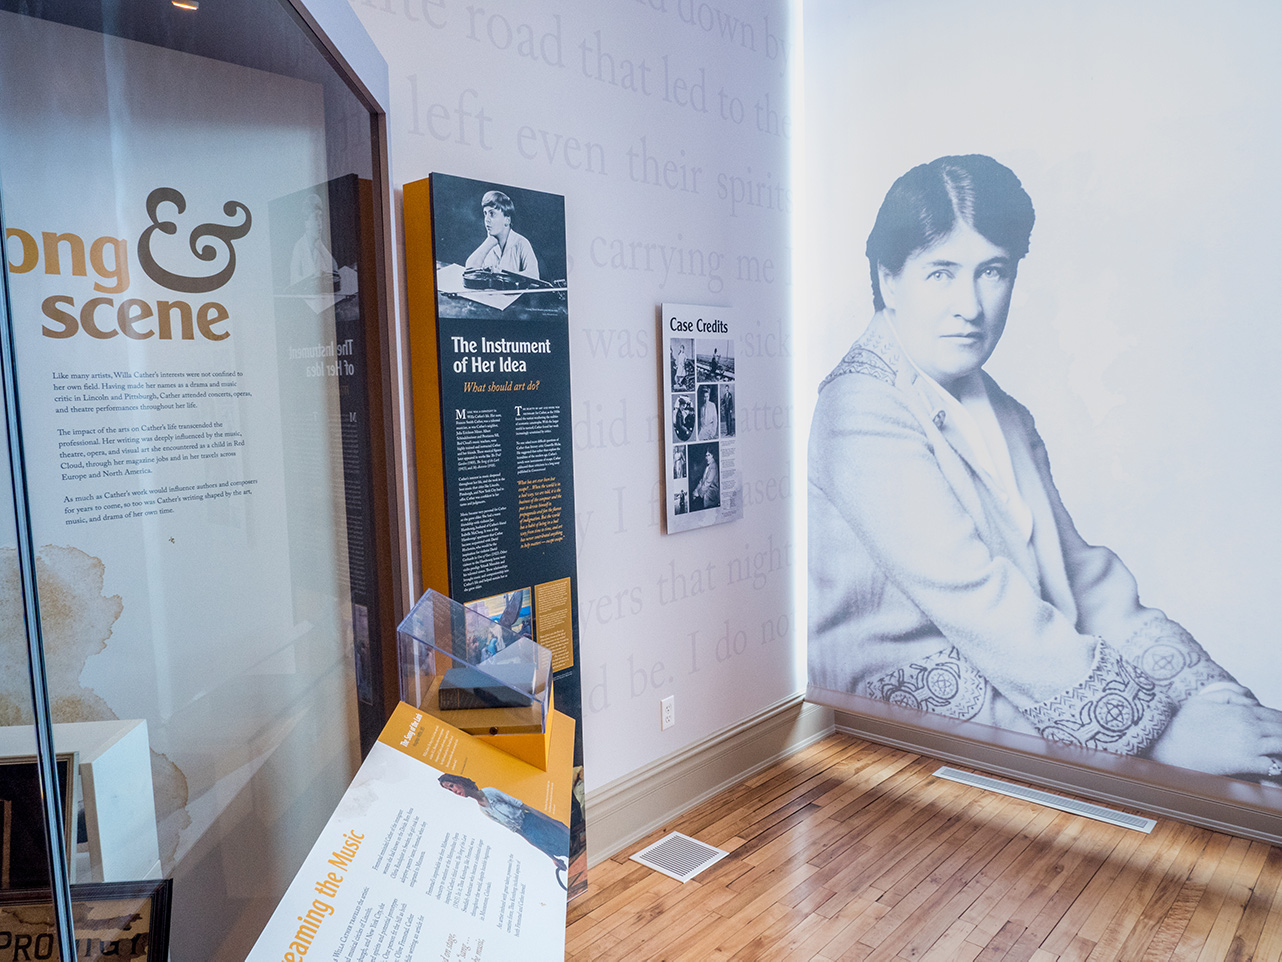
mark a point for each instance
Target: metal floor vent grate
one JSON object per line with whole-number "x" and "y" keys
{"x": 1097, "y": 812}
{"x": 679, "y": 856}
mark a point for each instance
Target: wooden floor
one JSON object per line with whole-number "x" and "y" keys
{"x": 849, "y": 850}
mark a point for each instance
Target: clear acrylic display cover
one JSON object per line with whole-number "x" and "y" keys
{"x": 471, "y": 671}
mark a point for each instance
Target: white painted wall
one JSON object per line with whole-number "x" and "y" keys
{"x": 598, "y": 101}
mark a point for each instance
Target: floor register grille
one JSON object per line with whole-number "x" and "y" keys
{"x": 1072, "y": 805}
{"x": 679, "y": 856}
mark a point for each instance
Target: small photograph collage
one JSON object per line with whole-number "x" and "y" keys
{"x": 703, "y": 389}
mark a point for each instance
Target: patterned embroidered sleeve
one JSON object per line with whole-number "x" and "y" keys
{"x": 1116, "y": 708}
{"x": 1173, "y": 659}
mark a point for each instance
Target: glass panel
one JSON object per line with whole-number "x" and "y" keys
{"x": 186, "y": 194}
{"x": 24, "y": 835}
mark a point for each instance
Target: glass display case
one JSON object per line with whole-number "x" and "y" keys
{"x": 200, "y": 585}
{"x": 473, "y": 671}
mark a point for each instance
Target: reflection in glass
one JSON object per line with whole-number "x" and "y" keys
{"x": 39, "y": 794}
{"x": 184, "y": 267}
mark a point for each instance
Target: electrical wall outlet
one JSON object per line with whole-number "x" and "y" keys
{"x": 667, "y": 713}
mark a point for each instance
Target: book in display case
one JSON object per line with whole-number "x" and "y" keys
{"x": 473, "y": 672}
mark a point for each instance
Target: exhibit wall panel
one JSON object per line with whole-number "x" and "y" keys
{"x": 666, "y": 126}
{"x": 1140, "y": 333}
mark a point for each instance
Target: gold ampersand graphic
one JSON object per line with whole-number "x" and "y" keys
{"x": 226, "y": 233}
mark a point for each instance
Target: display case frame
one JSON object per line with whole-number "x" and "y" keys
{"x": 351, "y": 61}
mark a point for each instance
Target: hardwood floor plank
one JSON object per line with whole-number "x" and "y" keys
{"x": 609, "y": 911}
{"x": 933, "y": 844}
{"x": 765, "y": 889}
{"x": 776, "y": 830}
{"x": 816, "y": 901}
{"x": 947, "y": 947}
{"x": 1132, "y": 892}
{"x": 805, "y": 892}
{"x": 845, "y": 944}
{"x": 844, "y": 896}
{"x": 1088, "y": 855}
{"x": 592, "y": 952}
{"x": 910, "y": 921}
{"x": 998, "y": 878}
{"x": 612, "y": 881}
{"x": 663, "y": 940}
{"x": 954, "y": 889}
{"x": 1122, "y": 882}
{"x": 1066, "y": 930}
{"x": 880, "y": 783}
{"x": 1269, "y": 946}
{"x": 1171, "y": 928}
{"x": 853, "y": 851}
{"x": 1220, "y": 938}
{"x": 1078, "y": 950}
{"x": 861, "y": 779}
{"x": 660, "y": 942}
{"x": 767, "y": 945}
{"x": 808, "y": 839}
{"x": 825, "y": 840}
{"x": 973, "y": 880}
{"x": 793, "y": 805}
{"x": 812, "y": 946}
{"x": 1000, "y": 943}
{"x": 792, "y": 944}
{"x": 1037, "y": 863}
{"x": 723, "y": 941}
{"x": 658, "y": 910}
{"x": 884, "y": 828}
{"x": 1195, "y": 934}
{"x": 1147, "y": 930}
{"x": 1264, "y": 898}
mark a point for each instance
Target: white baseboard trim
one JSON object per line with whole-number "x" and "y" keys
{"x": 629, "y": 808}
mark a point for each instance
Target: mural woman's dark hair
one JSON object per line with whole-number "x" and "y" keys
{"x": 922, "y": 207}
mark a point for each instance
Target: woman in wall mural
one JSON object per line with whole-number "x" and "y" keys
{"x": 945, "y": 573}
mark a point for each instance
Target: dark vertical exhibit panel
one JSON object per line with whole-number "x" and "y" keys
{"x": 502, "y": 356}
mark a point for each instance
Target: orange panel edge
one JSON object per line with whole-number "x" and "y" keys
{"x": 420, "y": 273}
